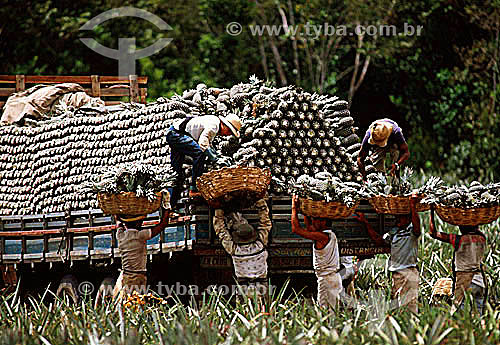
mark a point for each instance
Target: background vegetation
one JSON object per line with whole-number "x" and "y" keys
{"x": 442, "y": 86}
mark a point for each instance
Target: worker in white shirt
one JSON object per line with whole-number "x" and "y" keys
{"x": 193, "y": 137}
{"x": 247, "y": 247}
{"x": 325, "y": 255}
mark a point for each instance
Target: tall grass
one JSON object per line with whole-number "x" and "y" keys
{"x": 293, "y": 320}
{"x": 281, "y": 320}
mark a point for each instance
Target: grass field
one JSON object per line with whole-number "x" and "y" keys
{"x": 284, "y": 320}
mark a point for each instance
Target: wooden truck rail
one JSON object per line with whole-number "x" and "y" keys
{"x": 79, "y": 235}
{"x": 91, "y": 235}
{"x": 108, "y": 88}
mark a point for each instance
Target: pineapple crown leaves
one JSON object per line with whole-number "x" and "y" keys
{"x": 140, "y": 178}
{"x": 382, "y": 184}
{"x": 326, "y": 187}
{"x": 462, "y": 196}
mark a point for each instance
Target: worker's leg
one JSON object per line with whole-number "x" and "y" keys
{"x": 184, "y": 145}
{"x": 477, "y": 293}
{"x": 187, "y": 146}
{"x": 177, "y": 160}
{"x": 405, "y": 288}
{"x": 329, "y": 289}
{"x": 117, "y": 290}
{"x": 462, "y": 283}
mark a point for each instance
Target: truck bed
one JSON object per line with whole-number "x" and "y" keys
{"x": 79, "y": 235}
{"x": 90, "y": 235}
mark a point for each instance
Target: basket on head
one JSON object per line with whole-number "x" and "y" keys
{"x": 218, "y": 184}
{"x": 323, "y": 209}
{"x": 127, "y": 203}
{"x": 468, "y": 216}
{"x": 392, "y": 204}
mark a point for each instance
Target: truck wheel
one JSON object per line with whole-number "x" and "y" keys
{"x": 105, "y": 291}
{"x": 68, "y": 288}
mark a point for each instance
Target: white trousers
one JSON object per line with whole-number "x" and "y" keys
{"x": 329, "y": 288}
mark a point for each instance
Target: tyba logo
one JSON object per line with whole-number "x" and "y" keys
{"x": 126, "y": 54}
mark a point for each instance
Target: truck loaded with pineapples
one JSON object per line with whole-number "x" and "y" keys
{"x": 62, "y": 179}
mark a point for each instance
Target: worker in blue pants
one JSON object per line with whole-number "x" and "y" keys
{"x": 193, "y": 137}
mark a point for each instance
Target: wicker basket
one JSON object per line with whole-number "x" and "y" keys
{"x": 216, "y": 184}
{"x": 468, "y": 216}
{"x": 323, "y": 209}
{"x": 443, "y": 286}
{"x": 395, "y": 204}
{"x": 127, "y": 203}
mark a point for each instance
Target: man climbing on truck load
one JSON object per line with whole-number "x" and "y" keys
{"x": 383, "y": 136}
{"x": 132, "y": 245}
{"x": 468, "y": 275}
{"x": 403, "y": 239}
{"x": 325, "y": 255}
{"x": 247, "y": 247}
{"x": 193, "y": 137}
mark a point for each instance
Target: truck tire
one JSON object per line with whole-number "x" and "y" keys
{"x": 68, "y": 287}
{"x": 105, "y": 291}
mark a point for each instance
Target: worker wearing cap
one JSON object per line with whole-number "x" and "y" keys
{"x": 383, "y": 136}
{"x": 246, "y": 246}
{"x": 193, "y": 137}
{"x": 132, "y": 246}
